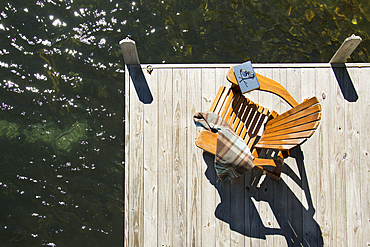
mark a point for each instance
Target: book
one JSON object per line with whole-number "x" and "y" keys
{"x": 246, "y": 77}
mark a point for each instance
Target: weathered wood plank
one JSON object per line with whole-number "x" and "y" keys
{"x": 266, "y": 100}
{"x": 179, "y": 156}
{"x": 127, "y": 157}
{"x": 195, "y": 160}
{"x": 310, "y": 169}
{"x": 235, "y": 202}
{"x": 352, "y": 164}
{"x": 364, "y": 92}
{"x": 210, "y": 178}
{"x": 252, "y": 217}
{"x": 252, "y": 226}
{"x": 151, "y": 163}
{"x": 237, "y": 223}
{"x": 165, "y": 159}
{"x": 247, "y": 205}
{"x": 337, "y": 168}
{"x": 223, "y": 204}
{"x": 136, "y": 162}
{"x": 294, "y": 185}
{"x": 280, "y": 190}
{"x": 279, "y": 75}
{"x": 323, "y": 197}
{"x": 273, "y": 220}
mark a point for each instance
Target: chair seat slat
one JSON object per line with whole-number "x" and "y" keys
{"x": 306, "y": 112}
{"x": 293, "y": 129}
{"x": 302, "y": 134}
{"x": 300, "y": 107}
{"x": 283, "y": 141}
{"x": 304, "y": 120}
{"x": 281, "y": 147}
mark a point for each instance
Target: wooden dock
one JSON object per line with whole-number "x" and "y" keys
{"x": 172, "y": 194}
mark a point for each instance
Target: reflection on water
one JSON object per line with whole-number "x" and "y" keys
{"x": 61, "y": 125}
{"x": 236, "y": 31}
{"x": 62, "y": 99}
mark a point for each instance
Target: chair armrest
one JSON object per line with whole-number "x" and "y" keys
{"x": 207, "y": 140}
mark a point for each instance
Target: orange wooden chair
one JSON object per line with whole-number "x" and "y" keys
{"x": 281, "y": 132}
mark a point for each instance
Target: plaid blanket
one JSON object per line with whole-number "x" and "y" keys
{"x": 233, "y": 157}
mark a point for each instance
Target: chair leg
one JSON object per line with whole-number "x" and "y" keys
{"x": 285, "y": 154}
{"x": 267, "y": 173}
{"x": 261, "y": 162}
{"x": 279, "y": 164}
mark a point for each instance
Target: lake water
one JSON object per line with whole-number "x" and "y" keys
{"x": 62, "y": 93}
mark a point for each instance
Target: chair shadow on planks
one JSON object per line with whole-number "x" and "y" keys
{"x": 140, "y": 84}
{"x": 294, "y": 217}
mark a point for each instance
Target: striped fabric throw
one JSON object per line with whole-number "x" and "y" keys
{"x": 233, "y": 157}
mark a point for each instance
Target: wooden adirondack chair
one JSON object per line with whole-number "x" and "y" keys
{"x": 281, "y": 132}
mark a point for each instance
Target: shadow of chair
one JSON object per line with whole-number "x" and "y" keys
{"x": 281, "y": 137}
{"x": 238, "y": 205}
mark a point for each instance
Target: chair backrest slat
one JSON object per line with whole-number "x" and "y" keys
{"x": 295, "y": 135}
{"x": 229, "y": 100}
{"x": 244, "y": 116}
{"x": 263, "y": 116}
{"x": 234, "y": 109}
{"x": 217, "y": 100}
{"x": 252, "y": 113}
{"x": 243, "y": 126}
{"x": 240, "y": 113}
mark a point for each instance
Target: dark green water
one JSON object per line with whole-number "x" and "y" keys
{"x": 62, "y": 93}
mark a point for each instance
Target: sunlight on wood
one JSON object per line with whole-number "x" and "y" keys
{"x": 268, "y": 222}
